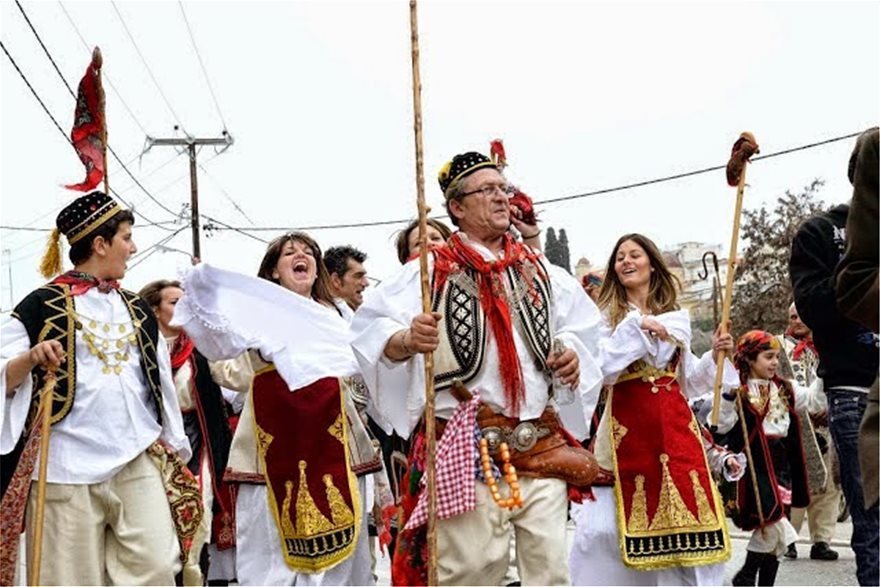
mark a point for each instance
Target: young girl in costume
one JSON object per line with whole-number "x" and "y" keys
{"x": 764, "y": 408}
{"x": 656, "y": 518}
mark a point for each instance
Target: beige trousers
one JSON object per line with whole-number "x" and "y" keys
{"x": 475, "y": 546}
{"x": 117, "y": 532}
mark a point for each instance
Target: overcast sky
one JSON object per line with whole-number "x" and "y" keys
{"x": 586, "y": 95}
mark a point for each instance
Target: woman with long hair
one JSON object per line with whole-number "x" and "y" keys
{"x": 300, "y": 452}
{"x": 657, "y": 518}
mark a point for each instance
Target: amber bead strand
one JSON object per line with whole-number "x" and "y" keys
{"x": 515, "y": 499}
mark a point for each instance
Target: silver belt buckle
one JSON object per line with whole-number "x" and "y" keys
{"x": 524, "y": 437}
{"x": 494, "y": 437}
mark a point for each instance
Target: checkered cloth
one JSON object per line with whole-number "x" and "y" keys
{"x": 455, "y": 468}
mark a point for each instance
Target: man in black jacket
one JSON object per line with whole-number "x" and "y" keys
{"x": 848, "y": 362}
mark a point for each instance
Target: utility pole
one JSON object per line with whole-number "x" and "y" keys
{"x": 190, "y": 143}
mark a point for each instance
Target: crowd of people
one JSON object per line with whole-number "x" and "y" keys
{"x": 270, "y": 430}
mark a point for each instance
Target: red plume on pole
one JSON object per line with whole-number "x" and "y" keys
{"x": 496, "y": 153}
{"x": 88, "y": 133}
{"x": 519, "y": 198}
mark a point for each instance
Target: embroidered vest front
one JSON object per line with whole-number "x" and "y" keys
{"x": 48, "y": 314}
{"x": 463, "y": 332}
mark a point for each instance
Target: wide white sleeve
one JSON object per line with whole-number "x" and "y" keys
{"x": 621, "y": 346}
{"x": 811, "y": 397}
{"x": 172, "y": 422}
{"x": 576, "y": 323}
{"x": 700, "y": 374}
{"x": 396, "y": 388}
{"x": 14, "y": 403}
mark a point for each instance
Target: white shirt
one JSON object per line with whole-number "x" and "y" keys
{"x": 778, "y": 418}
{"x": 113, "y": 417}
{"x": 398, "y": 388}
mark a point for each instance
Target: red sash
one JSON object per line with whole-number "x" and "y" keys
{"x": 302, "y": 441}
{"x": 668, "y": 510}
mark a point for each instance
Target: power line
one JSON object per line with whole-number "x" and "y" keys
{"x": 201, "y": 63}
{"x": 146, "y": 253}
{"x": 224, "y": 192}
{"x": 228, "y": 227}
{"x": 146, "y": 65}
{"x": 45, "y": 50}
{"x": 104, "y": 76}
{"x": 70, "y": 89}
{"x": 37, "y": 96}
{"x": 622, "y": 187}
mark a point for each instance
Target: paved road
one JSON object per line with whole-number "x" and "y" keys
{"x": 801, "y": 571}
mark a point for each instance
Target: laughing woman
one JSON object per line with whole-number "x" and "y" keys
{"x": 300, "y": 451}
{"x": 657, "y": 518}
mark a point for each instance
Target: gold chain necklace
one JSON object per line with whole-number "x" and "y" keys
{"x": 110, "y": 342}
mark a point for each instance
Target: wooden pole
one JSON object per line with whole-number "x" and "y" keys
{"x": 728, "y": 293}
{"x": 45, "y": 411}
{"x": 430, "y": 424}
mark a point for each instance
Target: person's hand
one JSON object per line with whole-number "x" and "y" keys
{"x": 592, "y": 285}
{"x": 733, "y": 466}
{"x": 526, "y": 230}
{"x": 722, "y": 343}
{"x": 49, "y": 354}
{"x": 566, "y": 367}
{"x": 655, "y": 328}
{"x": 423, "y": 335}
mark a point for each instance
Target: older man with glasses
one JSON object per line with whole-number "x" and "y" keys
{"x": 521, "y": 335}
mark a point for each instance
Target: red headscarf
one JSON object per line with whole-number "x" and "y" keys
{"x": 749, "y": 346}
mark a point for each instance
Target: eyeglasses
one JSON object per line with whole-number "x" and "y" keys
{"x": 489, "y": 189}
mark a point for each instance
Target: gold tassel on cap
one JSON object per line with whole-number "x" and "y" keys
{"x": 50, "y": 266}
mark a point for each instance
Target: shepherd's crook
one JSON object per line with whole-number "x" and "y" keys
{"x": 430, "y": 424}
{"x": 743, "y": 149}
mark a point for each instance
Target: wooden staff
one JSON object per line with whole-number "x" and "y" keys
{"x": 45, "y": 411}
{"x": 98, "y": 60}
{"x": 430, "y": 423}
{"x": 744, "y": 148}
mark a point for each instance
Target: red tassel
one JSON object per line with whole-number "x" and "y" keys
{"x": 496, "y": 153}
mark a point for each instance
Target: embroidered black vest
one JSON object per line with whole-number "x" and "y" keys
{"x": 463, "y": 328}
{"x": 772, "y": 508}
{"x": 47, "y": 314}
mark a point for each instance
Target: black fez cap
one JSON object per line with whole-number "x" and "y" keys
{"x": 461, "y": 166}
{"x": 85, "y": 214}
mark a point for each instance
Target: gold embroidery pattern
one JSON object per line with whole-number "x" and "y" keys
{"x": 671, "y": 511}
{"x": 638, "y": 517}
{"x": 286, "y": 524}
{"x": 618, "y": 431}
{"x": 309, "y": 519}
{"x": 335, "y": 429}
{"x": 339, "y": 511}
{"x": 264, "y": 439}
{"x": 695, "y": 428}
{"x": 60, "y": 327}
{"x": 704, "y": 511}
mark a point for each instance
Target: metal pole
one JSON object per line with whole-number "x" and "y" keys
{"x": 194, "y": 201}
